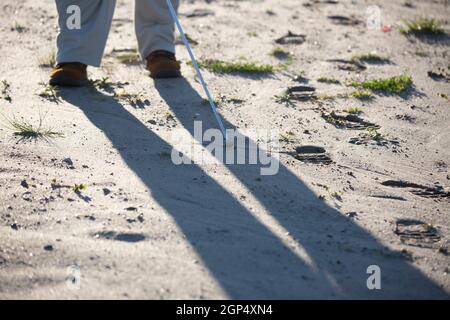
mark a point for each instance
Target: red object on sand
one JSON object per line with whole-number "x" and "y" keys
{"x": 386, "y": 28}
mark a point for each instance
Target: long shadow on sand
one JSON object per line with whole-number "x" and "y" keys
{"x": 243, "y": 255}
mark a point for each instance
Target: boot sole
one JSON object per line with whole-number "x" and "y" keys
{"x": 64, "y": 81}
{"x": 166, "y": 74}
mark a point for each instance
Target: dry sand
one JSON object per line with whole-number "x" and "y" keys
{"x": 145, "y": 228}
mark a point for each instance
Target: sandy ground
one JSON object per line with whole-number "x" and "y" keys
{"x": 145, "y": 228}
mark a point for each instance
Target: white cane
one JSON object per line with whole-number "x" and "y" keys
{"x": 197, "y": 69}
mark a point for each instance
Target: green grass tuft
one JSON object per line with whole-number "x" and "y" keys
{"x": 328, "y": 80}
{"x": 362, "y": 95}
{"x": 49, "y": 92}
{"x": 369, "y": 58}
{"x": 374, "y": 134}
{"x": 282, "y": 54}
{"x": 78, "y": 187}
{"x": 423, "y": 26}
{"x": 323, "y": 97}
{"x": 129, "y": 57}
{"x": 27, "y": 131}
{"x": 279, "y": 52}
{"x": 6, "y": 91}
{"x": 353, "y": 110}
{"x": 288, "y": 137}
{"x": 48, "y": 61}
{"x": 219, "y": 66}
{"x": 395, "y": 84}
{"x": 19, "y": 28}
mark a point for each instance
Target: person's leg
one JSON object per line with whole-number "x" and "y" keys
{"x": 154, "y": 26}
{"x": 156, "y": 39}
{"x": 85, "y": 45}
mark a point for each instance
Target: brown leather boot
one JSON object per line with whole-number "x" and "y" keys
{"x": 71, "y": 74}
{"x": 163, "y": 64}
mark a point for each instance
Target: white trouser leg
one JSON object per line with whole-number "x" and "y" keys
{"x": 154, "y": 26}
{"x": 87, "y": 44}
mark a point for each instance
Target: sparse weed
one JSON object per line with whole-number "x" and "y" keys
{"x": 423, "y": 26}
{"x": 169, "y": 116}
{"x": 282, "y": 54}
{"x": 328, "y": 80}
{"x": 375, "y": 135}
{"x": 129, "y": 57}
{"x": 6, "y": 91}
{"x": 48, "y": 61}
{"x": 132, "y": 99}
{"x": 49, "y": 92}
{"x": 369, "y": 58}
{"x": 445, "y": 96}
{"x": 19, "y": 28}
{"x": 102, "y": 83}
{"x": 28, "y": 132}
{"x": 362, "y": 95}
{"x": 288, "y": 137}
{"x": 335, "y": 195}
{"x": 396, "y": 84}
{"x": 353, "y": 110}
{"x": 78, "y": 187}
{"x": 325, "y": 97}
{"x": 284, "y": 98}
{"x": 221, "y": 99}
{"x": 219, "y": 66}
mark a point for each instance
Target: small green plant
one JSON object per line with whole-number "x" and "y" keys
{"x": 328, "y": 80}
{"x": 222, "y": 99}
{"x": 288, "y": 137}
{"x": 6, "y": 91}
{"x": 27, "y": 131}
{"x": 219, "y": 66}
{"x": 423, "y": 26}
{"x": 78, "y": 187}
{"x": 396, "y": 84}
{"x": 49, "y": 92}
{"x": 428, "y": 227}
{"x": 169, "y": 116}
{"x": 323, "y": 97}
{"x": 205, "y": 102}
{"x": 252, "y": 34}
{"x": 105, "y": 84}
{"x": 330, "y": 118}
{"x": 19, "y": 28}
{"x": 132, "y": 99}
{"x": 102, "y": 83}
{"x": 233, "y": 100}
{"x": 362, "y": 95}
{"x": 129, "y": 57}
{"x": 374, "y": 134}
{"x": 284, "y": 98}
{"x": 353, "y": 110}
{"x": 48, "y": 61}
{"x": 335, "y": 195}
{"x": 282, "y": 54}
{"x": 369, "y": 58}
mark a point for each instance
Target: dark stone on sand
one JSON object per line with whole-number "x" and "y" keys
{"x": 48, "y": 247}
{"x": 310, "y": 149}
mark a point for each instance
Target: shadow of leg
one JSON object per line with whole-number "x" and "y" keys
{"x": 244, "y": 257}
{"x": 341, "y": 250}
